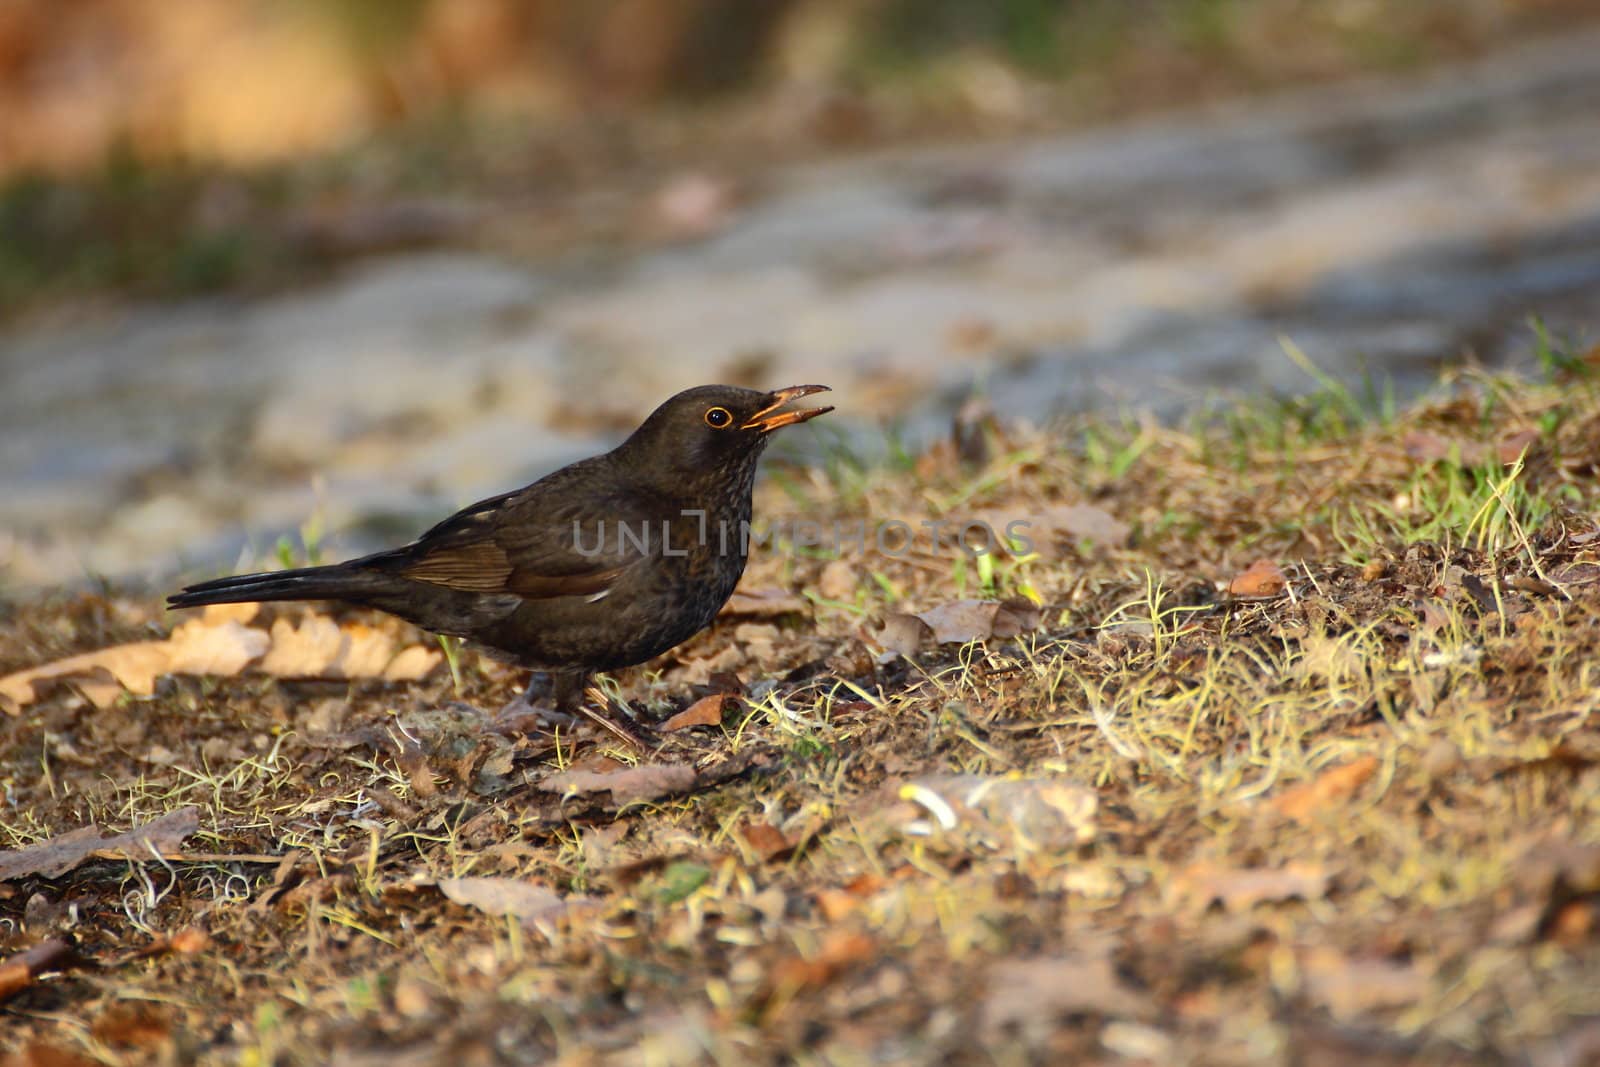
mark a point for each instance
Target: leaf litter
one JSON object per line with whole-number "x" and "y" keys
{"x": 219, "y": 643}
{"x": 1089, "y": 802}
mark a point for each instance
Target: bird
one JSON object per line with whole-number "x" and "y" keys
{"x": 603, "y": 564}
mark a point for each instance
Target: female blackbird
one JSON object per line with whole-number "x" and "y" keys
{"x": 602, "y": 564}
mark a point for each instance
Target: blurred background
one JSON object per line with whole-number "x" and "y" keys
{"x": 346, "y": 264}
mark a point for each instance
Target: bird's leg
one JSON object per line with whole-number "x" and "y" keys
{"x": 623, "y": 727}
{"x": 525, "y": 712}
{"x": 568, "y": 687}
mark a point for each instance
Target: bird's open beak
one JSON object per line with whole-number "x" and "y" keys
{"x": 770, "y": 418}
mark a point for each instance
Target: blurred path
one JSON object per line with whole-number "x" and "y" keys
{"x": 1389, "y": 224}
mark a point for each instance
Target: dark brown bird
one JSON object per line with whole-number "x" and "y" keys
{"x": 599, "y": 565}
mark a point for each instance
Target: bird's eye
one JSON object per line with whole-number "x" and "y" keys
{"x": 717, "y": 418}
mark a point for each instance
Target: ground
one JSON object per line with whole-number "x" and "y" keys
{"x": 1278, "y": 747}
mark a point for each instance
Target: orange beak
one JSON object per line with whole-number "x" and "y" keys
{"x": 770, "y": 418}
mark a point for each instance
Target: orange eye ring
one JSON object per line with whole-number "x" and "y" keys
{"x": 719, "y": 418}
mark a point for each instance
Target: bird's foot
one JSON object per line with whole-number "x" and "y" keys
{"x": 619, "y": 725}
{"x": 526, "y": 715}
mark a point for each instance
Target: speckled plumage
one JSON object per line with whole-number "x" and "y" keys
{"x": 602, "y": 564}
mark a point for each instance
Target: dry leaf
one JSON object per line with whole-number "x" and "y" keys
{"x": 961, "y": 621}
{"x": 1352, "y": 987}
{"x": 1514, "y": 446}
{"x": 321, "y": 648}
{"x": 526, "y": 901}
{"x": 644, "y": 782}
{"x": 40, "y": 1054}
{"x": 1263, "y": 578}
{"x": 1332, "y": 786}
{"x": 217, "y": 643}
{"x": 1576, "y": 573}
{"x": 196, "y": 647}
{"x": 835, "y": 904}
{"x": 1427, "y": 447}
{"x": 304, "y": 651}
{"x": 1242, "y": 888}
{"x": 190, "y": 941}
{"x": 841, "y": 949}
{"x": 1042, "y": 990}
{"x": 367, "y": 652}
{"x": 412, "y": 664}
{"x": 765, "y": 604}
{"x": 1557, "y": 865}
{"x": 902, "y": 633}
{"x": 838, "y": 581}
{"x": 1061, "y": 522}
{"x": 60, "y": 854}
{"x": 216, "y": 614}
{"x": 766, "y": 840}
{"x": 707, "y": 711}
{"x": 131, "y": 1024}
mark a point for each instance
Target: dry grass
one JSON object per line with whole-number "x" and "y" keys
{"x": 1357, "y": 818}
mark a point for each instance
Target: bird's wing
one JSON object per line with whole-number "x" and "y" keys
{"x": 528, "y": 543}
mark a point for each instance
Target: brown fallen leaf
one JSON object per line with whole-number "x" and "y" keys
{"x": 1513, "y": 446}
{"x": 218, "y": 643}
{"x": 1239, "y": 889}
{"x": 412, "y": 664}
{"x": 60, "y": 854}
{"x": 132, "y": 1024}
{"x": 1060, "y": 523}
{"x": 1576, "y": 573}
{"x": 644, "y": 782}
{"x": 961, "y": 621}
{"x": 1426, "y": 447}
{"x": 1262, "y": 579}
{"x": 1042, "y": 990}
{"x": 707, "y": 711}
{"x": 901, "y": 633}
{"x": 838, "y": 581}
{"x": 765, "y": 604}
{"x": 840, "y": 950}
{"x": 529, "y": 902}
{"x": 766, "y": 840}
{"x": 20, "y": 971}
{"x": 304, "y": 651}
{"x": 196, "y": 647}
{"x": 957, "y": 623}
{"x": 835, "y": 904}
{"x": 190, "y": 941}
{"x": 42, "y": 1054}
{"x": 1303, "y": 802}
{"x": 1351, "y": 987}
{"x": 321, "y": 648}
{"x": 1559, "y": 866}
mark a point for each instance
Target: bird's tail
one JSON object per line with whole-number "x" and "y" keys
{"x": 308, "y": 583}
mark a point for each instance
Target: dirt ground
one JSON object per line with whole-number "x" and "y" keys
{"x": 1279, "y": 747}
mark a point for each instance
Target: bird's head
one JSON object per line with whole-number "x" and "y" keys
{"x": 716, "y": 428}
